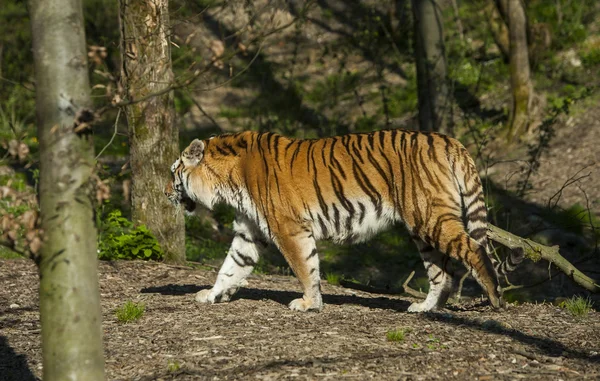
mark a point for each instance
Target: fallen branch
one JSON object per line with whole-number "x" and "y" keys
{"x": 535, "y": 251}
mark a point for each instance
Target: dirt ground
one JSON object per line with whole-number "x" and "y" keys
{"x": 256, "y": 337}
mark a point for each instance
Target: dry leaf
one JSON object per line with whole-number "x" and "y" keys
{"x": 22, "y": 151}
{"x": 35, "y": 245}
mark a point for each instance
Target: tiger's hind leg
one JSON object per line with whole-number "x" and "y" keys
{"x": 300, "y": 251}
{"x": 239, "y": 263}
{"x": 449, "y": 236}
{"x": 441, "y": 278}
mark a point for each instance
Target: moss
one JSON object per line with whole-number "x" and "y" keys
{"x": 534, "y": 253}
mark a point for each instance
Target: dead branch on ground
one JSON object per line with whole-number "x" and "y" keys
{"x": 535, "y": 251}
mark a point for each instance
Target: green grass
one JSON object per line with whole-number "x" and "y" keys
{"x": 130, "y": 312}
{"x": 173, "y": 366}
{"x": 578, "y": 306}
{"x": 6, "y": 253}
{"x": 333, "y": 278}
{"x": 396, "y": 335}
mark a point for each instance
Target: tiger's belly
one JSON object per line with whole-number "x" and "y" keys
{"x": 356, "y": 222}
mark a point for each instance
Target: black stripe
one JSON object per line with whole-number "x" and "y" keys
{"x": 242, "y": 144}
{"x": 471, "y": 192}
{"x": 362, "y": 208}
{"x": 478, "y": 233}
{"x": 229, "y": 148}
{"x": 323, "y": 227}
{"x": 312, "y": 254}
{"x": 336, "y": 218}
{"x": 481, "y": 210}
{"x": 248, "y": 261}
{"x": 244, "y": 237}
{"x": 221, "y": 150}
{"x": 382, "y": 135}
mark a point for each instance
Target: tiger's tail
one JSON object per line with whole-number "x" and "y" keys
{"x": 475, "y": 213}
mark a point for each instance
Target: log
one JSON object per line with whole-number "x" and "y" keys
{"x": 535, "y": 251}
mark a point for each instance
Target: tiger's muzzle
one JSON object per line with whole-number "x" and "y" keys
{"x": 179, "y": 198}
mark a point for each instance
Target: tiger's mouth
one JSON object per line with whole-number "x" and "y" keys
{"x": 188, "y": 204}
{"x": 180, "y": 198}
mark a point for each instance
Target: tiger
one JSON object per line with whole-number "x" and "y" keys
{"x": 293, "y": 192}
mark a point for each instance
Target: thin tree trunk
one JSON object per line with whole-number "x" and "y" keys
{"x": 153, "y": 134}
{"x": 434, "y": 97}
{"x": 69, "y": 297}
{"x": 519, "y": 69}
{"x": 458, "y": 21}
{"x": 499, "y": 29}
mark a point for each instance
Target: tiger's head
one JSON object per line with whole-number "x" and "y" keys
{"x": 184, "y": 172}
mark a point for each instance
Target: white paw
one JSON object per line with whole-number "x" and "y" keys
{"x": 421, "y": 307}
{"x": 205, "y": 296}
{"x": 306, "y": 305}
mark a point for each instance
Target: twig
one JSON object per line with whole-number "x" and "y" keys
{"x": 460, "y": 285}
{"x": 570, "y": 181}
{"x": 199, "y": 106}
{"x": 411, "y": 291}
{"x": 112, "y": 137}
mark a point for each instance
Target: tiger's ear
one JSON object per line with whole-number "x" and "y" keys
{"x": 194, "y": 152}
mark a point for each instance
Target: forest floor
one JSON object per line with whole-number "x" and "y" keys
{"x": 256, "y": 337}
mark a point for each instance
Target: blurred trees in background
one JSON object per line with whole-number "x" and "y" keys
{"x": 69, "y": 297}
{"x": 430, "y": 56}
{"x": 522, "y": 91}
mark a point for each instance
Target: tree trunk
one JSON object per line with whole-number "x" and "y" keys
{"x": 519, "y": 69}
{"x": 499, "y": 29}
{"x": 430, "y": 56}
{"x": 153, "y": 135}
{"x": 69, "y": 297}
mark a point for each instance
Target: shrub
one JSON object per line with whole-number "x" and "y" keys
{"x": 119, "y": 239}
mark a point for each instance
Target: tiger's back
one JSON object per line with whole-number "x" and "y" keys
{"x": 294, "y": 192}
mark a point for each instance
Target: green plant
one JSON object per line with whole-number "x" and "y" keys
{"x": 591, "y": 58}
{"x": 396, "y": 335}
{"x": 333, "y": 278}
{"x": 130, "y": 311}
{"x": 578, "y": 306}
{"x": 119, "y": 239}
{"x": 174, "y": 366}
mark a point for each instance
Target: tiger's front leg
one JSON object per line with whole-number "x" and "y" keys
{"x": 239, "y": 263}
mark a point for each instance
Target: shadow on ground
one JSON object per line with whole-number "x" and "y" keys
{"x": 284, "y": 297}
{"x": 13, "y": 367}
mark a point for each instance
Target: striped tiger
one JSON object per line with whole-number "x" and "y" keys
{"x": 293, "y": 192}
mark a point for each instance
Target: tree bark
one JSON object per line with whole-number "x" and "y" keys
{"x": 430, "y": 57}
{"x": 69, "y": 294}
{"x": 519, "y": 69}
{"x": 153, "y": 134}
{"x": 535, "y": 251}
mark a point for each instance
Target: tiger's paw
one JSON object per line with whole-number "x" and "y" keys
{"x": 421, "y": 307}
{"x": 303, "y": 305}
{"x": 497, "y": 303}
{"x": 205, "y": 296}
